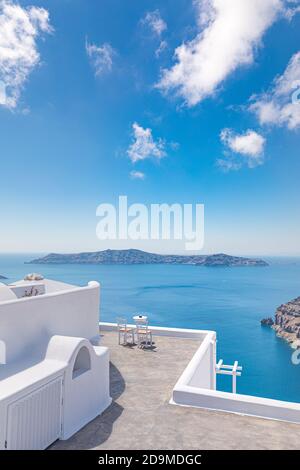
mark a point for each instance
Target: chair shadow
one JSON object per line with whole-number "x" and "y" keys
{"x": 144, "y": 347}
{"x": 148, "y": 347}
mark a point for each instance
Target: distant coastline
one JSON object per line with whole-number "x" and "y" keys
{"x": 132, "y": 256}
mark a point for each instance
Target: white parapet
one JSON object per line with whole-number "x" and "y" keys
{"x": 196, "y": 387}
{"x": 26, "y": 324}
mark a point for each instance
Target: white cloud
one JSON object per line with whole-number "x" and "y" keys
{"x": 292, "y": 9}
{"x": 155, "y": 22}
{"x": 144, "y": 146}
{"x": 174, "y": 145}
{"x": 137, "y": 175}
{"x": 281, "y": 104}
{"x": 229, "y": 164}
{"x": 250, "y": 143}
{"x": 250, "y": 146}
{"x": 161, "y": 48}
{"x": 19, "y": 29}
{"x": 101, "y": 57}
{"x": 229, "y": 33}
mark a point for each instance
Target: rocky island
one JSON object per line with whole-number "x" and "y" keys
{"x": 287, "y": 322}
{"x": 267, "y": 321}
{"x": 141, "y": 257}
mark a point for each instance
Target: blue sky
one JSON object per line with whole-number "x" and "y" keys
{"x": 96, "y": 68}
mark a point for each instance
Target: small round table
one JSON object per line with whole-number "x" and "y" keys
{"x": 143, "y": 318}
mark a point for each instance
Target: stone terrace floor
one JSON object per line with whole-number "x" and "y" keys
{"x": 140, "y": 416}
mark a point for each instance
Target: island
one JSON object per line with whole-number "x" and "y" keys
{"x": 133, "y": 256}
{"x": 2, "y": 277}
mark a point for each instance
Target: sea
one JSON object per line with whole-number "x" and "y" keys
{"x": 230, "y": 301}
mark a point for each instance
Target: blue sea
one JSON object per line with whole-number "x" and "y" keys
{"x": 230, "y": 301}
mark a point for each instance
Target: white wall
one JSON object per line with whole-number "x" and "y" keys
{"x": 26, "y": 325}
{"x": 204, "y": 375}
{"x": 236, "y": 403}
{"x": 196, "y": 387}
{"x": 164, "y": 331}
{"x": 200, "y": 372}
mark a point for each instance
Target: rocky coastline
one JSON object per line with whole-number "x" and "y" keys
{"x": 287, "y": 322}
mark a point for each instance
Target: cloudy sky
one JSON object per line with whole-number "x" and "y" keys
{"x": 188, "y": 101}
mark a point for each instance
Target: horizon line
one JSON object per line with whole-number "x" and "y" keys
{"x": 31, "y": 253}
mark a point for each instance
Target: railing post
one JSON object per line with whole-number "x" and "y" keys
{"x": 214, "y": 364}
{"x": 233, "y": 383}
{"x": 234, "y": 370}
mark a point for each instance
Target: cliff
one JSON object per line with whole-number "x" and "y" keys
{"x": 287, "y": 322}
{"x": 142, "y": 257}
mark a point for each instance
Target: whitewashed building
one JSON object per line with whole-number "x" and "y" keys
{"x": 54, "y": 375}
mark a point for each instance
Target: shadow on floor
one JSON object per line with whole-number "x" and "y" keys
{"x": 144, "y": 346}
{"x": 117, "y": 383}
{"x": 98, "y": 431}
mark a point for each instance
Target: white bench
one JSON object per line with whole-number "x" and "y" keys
{"x": 43, "y": 399}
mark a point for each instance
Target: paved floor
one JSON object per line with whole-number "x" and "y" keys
{"x": 141, "y": 417}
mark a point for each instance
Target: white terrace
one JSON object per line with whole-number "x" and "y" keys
{"x": 54, "y": 380}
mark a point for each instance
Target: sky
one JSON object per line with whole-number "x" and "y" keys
{"x": 171, "y": 101}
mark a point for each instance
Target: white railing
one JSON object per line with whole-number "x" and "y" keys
{"x": 235, "y": 371}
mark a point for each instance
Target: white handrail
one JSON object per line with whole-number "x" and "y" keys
{"x": 234, "y": 371}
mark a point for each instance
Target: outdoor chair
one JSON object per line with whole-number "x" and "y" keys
{"x": 143, "y": 333}
{"x": 124, "y": 331}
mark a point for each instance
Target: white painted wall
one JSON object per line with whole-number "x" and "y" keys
{"x": 200, "y": 371}
{"x": 26, "y": 325}
{"x": 197, "y": 387}
{"x": 164, "y": 331}
{"x": 204, "y": 371}
{"x": 236, "y": 403}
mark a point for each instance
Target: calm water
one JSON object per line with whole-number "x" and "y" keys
{"x": 230, "y": 301}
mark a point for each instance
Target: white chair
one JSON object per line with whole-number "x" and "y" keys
{"x": 144, "y": 335}
{"x": 124, "y": 331}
